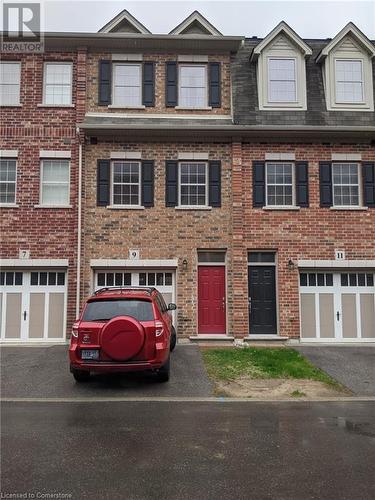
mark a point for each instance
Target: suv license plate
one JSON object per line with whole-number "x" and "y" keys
{"x": 90, "y": 354}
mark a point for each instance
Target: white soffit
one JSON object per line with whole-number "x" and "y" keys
{"x": 357, "y": 34}
{"x": 289, "y": 32}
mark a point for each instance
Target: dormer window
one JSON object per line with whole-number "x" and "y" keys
{"x": 281, "y": 70}
{"x": 282, "y": 82}
{"x": 347, "y": 71}
{"x": 349, "y": 80}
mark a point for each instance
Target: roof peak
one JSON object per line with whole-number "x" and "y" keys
{"x": 119, "y": 22}
{"x": 195, "y": 18}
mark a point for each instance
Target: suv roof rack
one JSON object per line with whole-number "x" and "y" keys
{"x": 148, "y": 289}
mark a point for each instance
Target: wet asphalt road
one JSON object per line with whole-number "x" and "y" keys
{"x": 190, "y": 450}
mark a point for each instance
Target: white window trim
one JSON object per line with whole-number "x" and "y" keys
{"x": 65, "y": 63}
{"x": 281, "y": 103}
{"x": 126, "y": 106}
{"x": 193, "y": 207}
{"x": 18, "y": 103}
{"x": 119, "y": 206}
{"x": 184, "y": 65}
{"x": 329, "y": 81}
{"x": 339, "y": 59}
{"x": 13, "y": 203}
{"x": 53, "y": 205}
{"x": 360, "y": 191}
{"x": 263, "y": 80}
{"x": 282, "y": 207}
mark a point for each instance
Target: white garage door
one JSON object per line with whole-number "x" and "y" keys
{"x": 162, "y": 279}
{"x": 337, "y": 307}
{"x": 32, "y": 306}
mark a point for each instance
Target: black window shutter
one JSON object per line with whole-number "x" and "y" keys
{"x": 259, "y": 187}
{"x": 368, "y": 175}
{"x": 103, "y": 177}
{"x": 148, "y": 84}
{"x": 214, "y": 85}
{"x": 148, "y": 183}
{"x": 214, "y": 182}
{"x": 302, "y": 183}
{"x": 171, "y": 84}
{"x": 105, "y": 79}
{"x": 171, "y": 183}
{"x": 325, "y": 179}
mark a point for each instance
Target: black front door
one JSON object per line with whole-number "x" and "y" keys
{"x": 262, "y": 300}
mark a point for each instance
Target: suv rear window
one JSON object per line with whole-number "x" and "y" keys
{"x": 107, "y": 309}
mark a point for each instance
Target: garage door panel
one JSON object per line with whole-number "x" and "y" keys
{"x": 37, "y": 308}
{"x": 308, "y": 322}
{"x": 13, "y": 315}
{"x": 349, "y": 315}
{"x": 56, "y": 315}
{"x": 326, "y": 315}
{"x": 367, "y": 301}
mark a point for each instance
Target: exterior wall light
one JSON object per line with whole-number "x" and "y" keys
{"x": 184, "y": 264}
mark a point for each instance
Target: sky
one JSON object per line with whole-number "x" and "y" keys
{"x": 311, "y": 19}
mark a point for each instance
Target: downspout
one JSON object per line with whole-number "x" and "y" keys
{"x": 79, "y": 226}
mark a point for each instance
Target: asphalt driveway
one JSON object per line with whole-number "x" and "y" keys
{"x": 42, "y": 372}
{"x": 352, "y": 366}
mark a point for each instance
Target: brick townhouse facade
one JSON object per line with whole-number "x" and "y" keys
{"x": 236, "y": 175}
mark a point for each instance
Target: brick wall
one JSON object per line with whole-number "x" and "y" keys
{"x": 160, "y": 60}
{"x": 310, "y": 233}
{"x": 46, "y": 232}
{"x": 159, "y": 232}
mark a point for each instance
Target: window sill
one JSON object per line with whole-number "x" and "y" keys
{"x": 53, "y": 206}
{"x": 10, "y": 105}
{"x": 203, "y": 108}
{"x": 279, "y": 107}
{"x": 193, "y": 208}
{"x": 125, "y": 207}
{"x": 117, "y": 106}
{"x": 9, "y": 205}
{"x": 281, "y": 207}
{"x": 349, "y": 208}
{"x": 55, "y": 105}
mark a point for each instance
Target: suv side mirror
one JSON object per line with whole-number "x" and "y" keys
{"x": 172, "y": 307}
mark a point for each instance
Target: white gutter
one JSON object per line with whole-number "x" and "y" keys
{"x": 79, "y": 238}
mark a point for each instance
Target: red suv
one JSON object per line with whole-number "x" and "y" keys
{"x": 122, "y": 330}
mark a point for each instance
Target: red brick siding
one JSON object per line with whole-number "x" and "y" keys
{"x": 310, "y": 233}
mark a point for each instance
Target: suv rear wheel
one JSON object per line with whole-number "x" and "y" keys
{"x": 173, "y": 338}
{"x": 162, "y": 374}
{"x": 81, "y": 375}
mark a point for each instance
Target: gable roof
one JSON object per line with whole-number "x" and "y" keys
{"x": 349, "y": 29}
{"x": 193, "y": 22}
{"x": 284, "y": 28}
{"x": 124, "y": 18}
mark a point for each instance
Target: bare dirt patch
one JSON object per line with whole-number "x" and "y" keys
{"x": 281, "y": 388}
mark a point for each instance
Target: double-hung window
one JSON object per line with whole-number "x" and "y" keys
{"x": 127, "y": 84}
{"x": 349, "y": 81}
{"x": 193, "y": 91}
{"x": 8, "y": 179}
{"x": 280, "y": 184}
{"x": 55, "y": 182}
{"x": 345, "y": 183}
{"x": 193, "y": 180}
{"x": 57, "y": 84}
{"x": 282, "y": 81}
{"x": 10, "y": 81}
{"x": 126, "y": 183}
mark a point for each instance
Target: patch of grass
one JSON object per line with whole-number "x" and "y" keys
{"x": 257, "y": 362}
{"x": 298, "y": 394}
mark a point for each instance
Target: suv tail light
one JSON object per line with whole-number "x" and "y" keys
{"x": 159, "y": 328}
{"x": 75, "y": 330}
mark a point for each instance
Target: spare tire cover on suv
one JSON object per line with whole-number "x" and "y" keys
{"x": 122, "y": 337}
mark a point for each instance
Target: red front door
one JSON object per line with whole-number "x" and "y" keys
{"x": 211, "y": 299}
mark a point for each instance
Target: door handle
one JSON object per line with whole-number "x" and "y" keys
{"x": 24, "y": 315}
{"x": 338, "y": 316}
{"x": 249, "y": 305}
{"x": 223, "y": 303}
